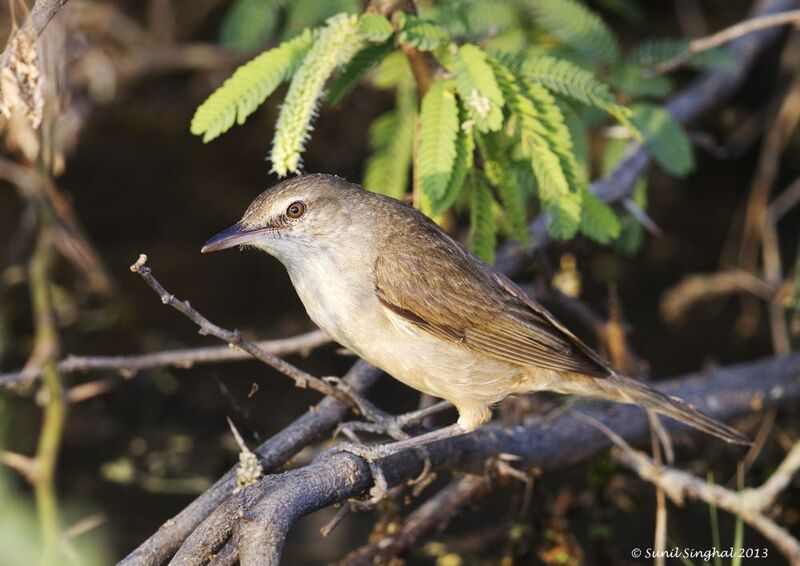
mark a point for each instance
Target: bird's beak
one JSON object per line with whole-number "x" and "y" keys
{"x": 236, "y": 235}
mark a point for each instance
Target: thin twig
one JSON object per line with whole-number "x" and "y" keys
{"x": 301, "y": 378}
{"x": 727, "y": 35}
{"x": 129, "y": 365}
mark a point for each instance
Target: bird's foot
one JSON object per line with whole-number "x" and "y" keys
{"x": 392, "y": 426}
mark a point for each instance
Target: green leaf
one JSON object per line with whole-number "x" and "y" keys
{"x": 424, "y": 35}
{"x": 392, "y": 71}
{"x": 438, "y": 130}
{"x": 248, "y": 87}
{"x": 598, "y": 221}
{"x": 249, "y": 23}
{"x": 375, "y": 28}
{"x": 391, "y": 141}
{"x": 498, "y": 169}
{"x": 355, "y": 71}
{"x": 632, "y": 233}
{"x": 655, "y": 52}
{"x": 478, "y": 88}
{"x": 634, "y": 82}
{"x": 665, "y": 139}
{"x": 335, "y": 45}
{"x": 305, "y": 14}
{"x": 567, "y": 79}
{"x": 579, "y": 134}
{"x": 465, "y": 147}
{"x": 576, "y": 26}
{"x": 483, "y": 234}
{"x": 545, "y": 137}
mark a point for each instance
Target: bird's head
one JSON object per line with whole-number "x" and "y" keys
{"x": 306, "y": 213}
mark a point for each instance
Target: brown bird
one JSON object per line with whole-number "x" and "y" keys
{"x": 388, "y": 284}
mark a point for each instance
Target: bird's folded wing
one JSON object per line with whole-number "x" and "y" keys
{"x": 444, "y": 291}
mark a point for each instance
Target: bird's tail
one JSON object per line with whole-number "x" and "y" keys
{"x": 624, "y": 389}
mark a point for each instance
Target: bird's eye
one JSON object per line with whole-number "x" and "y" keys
{"x": 296, "y": 210}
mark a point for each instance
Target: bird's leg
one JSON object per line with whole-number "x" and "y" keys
{"x": 380, "y": 451}
{"x": 382, "y": 423}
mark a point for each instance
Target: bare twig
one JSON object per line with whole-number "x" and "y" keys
{"x": 749, "y": 504}
{"x": 41, "y": 14}
{"x": 129, "y": 365}
{"x": 727, "y": 35}
{"x": 301, "y": 378}
{"x": 690, "y": 290}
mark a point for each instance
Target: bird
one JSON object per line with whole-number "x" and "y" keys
{"x": 387, "y": 283}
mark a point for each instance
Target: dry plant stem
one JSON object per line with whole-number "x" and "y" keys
{"x": 129, "y": 365}
{"x": 41, "y": 14}
{"x": 428, "y": 519}
{"x": 707, "y": 92}
{"x": 46, "y": 341}
{"x": 545, "y": 445}
{"x": 749, "y": 504}
{"x": 726, "y": 36}
{"x": 276, "y": 451}
{"x": 301, "y": 378}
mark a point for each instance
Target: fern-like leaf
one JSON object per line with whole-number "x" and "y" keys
{"x": 576, "y": 26}
{"x": 632, "y": 81}
{"x": 391, "y": 141}
{"x": 665, "y": 139}
{"x": 304, "y": 14}
{"x": 355, "y": 71}
{"x": 248, "y": 87}
{"x": 652, "y": 53}
{"x": 338, "y": 41}
{"x": 477, "y": 87}
{"x": 465, "y": 147}
{"x": 497, "y": 167}
{"x": 374, "y": 27}
{"x": 567, "y": 79}
{"x": 483, "y": 232}
{"x": 421, "y": 34}
{"x": 249, "y": 23}
{"x": 438, "y": 131}
{"x": 598, "y": 221}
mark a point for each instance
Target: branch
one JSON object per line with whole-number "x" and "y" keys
{"x": 184, "y": 358}
{"x": 707, "y": 92}
{"x": 301, "y": 378}
{"x": 545, "y": 445}
{"x": 749, "y": 504}
{"x": 317, "y": 422}
{"x": 41, "y": 14}
{"x": 726, "y": 36}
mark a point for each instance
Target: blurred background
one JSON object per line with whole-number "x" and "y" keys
{"x": 132, "y": 179}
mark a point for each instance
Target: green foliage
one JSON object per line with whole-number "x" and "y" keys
{"x": 305, "y": 14}
{"x": 250, "y": 23}
{"x": 391, "y": 141}
{"x": 336, "y": 44}
{"x": 374, "y": 27}
{"x": 529, "y": 110}
{"x": 421, "y": 34}
{"x": 437, "y": 139}
{"x": 250, "y": 85}
{"x": 483, "y": 230}
{"x": 478, "y": 88}
{"x": 498, "y": 171}
{"x": 654, "y": 52}
{"x": 577, "y": 27}
{"x": 355, "y": 71}
{"x": 665, "y": 139}
{"x": 567, "y": 79}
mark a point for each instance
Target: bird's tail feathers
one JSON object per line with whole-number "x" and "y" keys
{"x": 628, "y": 390}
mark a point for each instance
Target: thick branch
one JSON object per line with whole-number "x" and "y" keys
{"x": 705, "y": 93}
{"x": 317, "y": 422}
{"x": 547, "y": 444}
